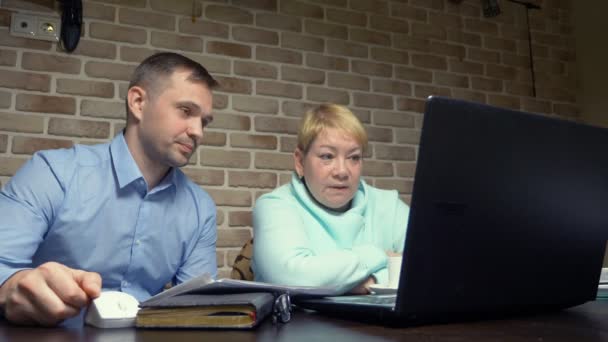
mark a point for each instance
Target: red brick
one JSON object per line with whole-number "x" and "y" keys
{"x": 407, "y": 136}
{"x": 393, "y": 119}
{"x": 86, "y": 88}
{"x": 240, "y": 219}
{"x": 273, "y": 161}
{"x": 411, "y": 105}
{"x": 269, "y": 5}
{"x": 373, "y": 100}
{"x": 224, "y": 158}
{"x": 276, "y": 124}
{"x": 413, "y": 74}
{"x": 9, "y": 165}
{"x": 321, "y": 28}
{"x": 21, "y": 123}
{"x": 389, "y": 55}
{"x": 205, "y": 176}
{"x": 370, "y": 6}
{"x": 114, "y": 33}
{"x": 103, "y": 109}
{"x": 288, "y": 144}
{"x": 50, "y": 63}
{"x": 92, "y": 10}
{"x": 146, "y": 18}
{"x": 447, "y": 49}
{"x": 214, "y": 65}
{"x": 172, "y": 41}
{"x": 279, "y": 89}
{"x": 296, "y": 108}
{"x": 326, "y": 62}
{"x": 429, "y": 61}
{"x": 373, "y": 168}
{"x": 483, "y": 27}
{"x": 469, "y": 95}
{"x": 204, "y": 28}
{"x": 451, "y": 80}
{"x": 233, "y": 198}
{"x": 264, "y": 53}
{"x": 349, "y": 81}
{"x": 499, "y": 44}
{"x": 464, "y": 67}
{"x": 278, "y": 21}
{"x": 348, "y": 49}
{"x": 321, "y": 94}
{"x": 234, "y": 85}
{"x": 8, "y": 58}
{"x": 79, "y": 128}
{"x": 231, "y": 121}
{"x": 253, "y": 35}
{"x": 408, "y": 12}
{"x": 211, "y": 138}
{"x": 255, "y": 104}
{"x": 305, "y": 75}
{"x": 29, "y": 145}
{"x": 266, "y": 142}
{"x": 232, "y": 237}
{"x": 296, "y": 8}
{"x": 480, "y": 83}
{"x": 252, "y": 179}
{"x": 121, "y": 72}
{"x": 5, "y": 99}
{"x": 369, "y": 37}
{"x": 175, "y": 7}
{"x": 3, "y": 142}
{"x": 228, "y": 14}
{"x": 424, "y": 91}
{"x": 408, "y": 43}
{"x": 229, "y": 49}
{"x": 95, "y": 49}
{"x": 504, "y": 101}
{"x": 346, "y": 17}
{"x": 388, "y": 24}
{"x": 391, "y": 87}
{"x": 485, "y": 56}
{"x": 379, "y": 134}
{"x": 301, "y": 42}
{"x": 466, "y": 38}
{"x": 426, "y": 31}
{"x": 45, "y": 104}
{"x": 372, "y": 68}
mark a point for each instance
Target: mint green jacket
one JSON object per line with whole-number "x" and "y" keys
{"x": 298, "y": 242}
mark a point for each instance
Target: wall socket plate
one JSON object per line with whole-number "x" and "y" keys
{"x": 35, "y": 27}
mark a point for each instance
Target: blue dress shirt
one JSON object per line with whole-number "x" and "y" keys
{"x": 88, "y": 208}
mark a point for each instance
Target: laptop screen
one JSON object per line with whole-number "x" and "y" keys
{"x": 508, "y": 212}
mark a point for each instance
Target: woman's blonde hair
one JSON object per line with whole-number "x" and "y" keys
{"x": 329, "y": 115}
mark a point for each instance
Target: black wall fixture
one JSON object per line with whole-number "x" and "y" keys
{"x": 492, "y": 9}
{"x": 71, "y": 23}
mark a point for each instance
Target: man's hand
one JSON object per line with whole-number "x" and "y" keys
{"x": 48, "y": 294}
{"x": 363, "y": 287}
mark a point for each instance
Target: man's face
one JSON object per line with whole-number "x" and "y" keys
{"x": 331, "y": 168}
{"x": 173, "y": 119}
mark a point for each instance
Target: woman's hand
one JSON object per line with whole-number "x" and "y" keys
{"x": 363, "y": 287}
{"x": 392, "y": 254}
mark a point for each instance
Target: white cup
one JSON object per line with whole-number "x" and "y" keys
{"x": 394, "y": 269}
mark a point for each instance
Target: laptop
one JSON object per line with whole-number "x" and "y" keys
{"x": 508, "y": 216}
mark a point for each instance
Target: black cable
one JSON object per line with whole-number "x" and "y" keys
{"x": 71, "y": 24}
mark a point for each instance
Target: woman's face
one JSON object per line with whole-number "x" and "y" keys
{"x": 331, "y": 168}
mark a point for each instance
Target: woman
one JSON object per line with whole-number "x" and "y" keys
{"x": 327, "y": 227}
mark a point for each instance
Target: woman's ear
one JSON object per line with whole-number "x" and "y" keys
{"x": 136, "y": 98}
{"x": 298, "y": 159}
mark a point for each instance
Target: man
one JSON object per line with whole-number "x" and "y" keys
{"x": 118, "y": 216}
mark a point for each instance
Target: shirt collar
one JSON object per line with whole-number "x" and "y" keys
{"x": 126, "y": 168}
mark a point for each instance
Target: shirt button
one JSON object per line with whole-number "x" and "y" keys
{"x": 137, "y": 242}
{"x": 125, "y": 283}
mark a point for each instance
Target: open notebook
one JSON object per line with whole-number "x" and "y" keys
{"x": 508, "y": 216}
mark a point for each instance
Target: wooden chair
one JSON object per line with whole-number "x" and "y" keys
{"x": 241, "y": 269}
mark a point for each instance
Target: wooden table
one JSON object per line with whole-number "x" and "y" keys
{"x": 588, "y": 322}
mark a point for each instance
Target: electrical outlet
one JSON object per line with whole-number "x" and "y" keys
{"x": 35, "y": 27}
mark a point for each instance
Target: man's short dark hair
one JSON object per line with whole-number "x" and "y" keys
{"x": 153, "y": 71}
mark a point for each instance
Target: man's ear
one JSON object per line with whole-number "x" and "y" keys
{"x": 136, "y": 99}
{"x": 298, "y": 160}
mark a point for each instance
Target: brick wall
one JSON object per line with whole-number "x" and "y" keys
{"x": 274, "y": 59}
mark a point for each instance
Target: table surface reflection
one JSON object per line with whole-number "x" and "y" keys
{"x": 588, "y": 322}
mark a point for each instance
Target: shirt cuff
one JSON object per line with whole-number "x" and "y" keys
{"x": 371, "y": 257}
